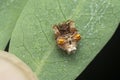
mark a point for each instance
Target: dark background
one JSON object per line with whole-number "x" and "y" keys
{"x": 106, "y": 64}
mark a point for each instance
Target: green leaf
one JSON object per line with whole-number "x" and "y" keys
{"x": 33, "y": 38}
{"x": 9, "y": 13}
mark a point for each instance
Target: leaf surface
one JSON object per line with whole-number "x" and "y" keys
{"x": 9, "y": 13}
{"x": 33, "y": 38}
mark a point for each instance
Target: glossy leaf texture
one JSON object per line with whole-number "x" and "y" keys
{"x": 10, "y": 11}
{"x": 33, "y": 38}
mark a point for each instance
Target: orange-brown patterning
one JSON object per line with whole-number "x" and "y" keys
{"x": 67, "y": 36}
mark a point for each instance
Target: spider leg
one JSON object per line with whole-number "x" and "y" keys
{"x": 56, "y": 31}
{"x": 72, "y": 26}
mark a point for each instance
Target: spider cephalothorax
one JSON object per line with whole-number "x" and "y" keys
{"x": 67, "y": 36}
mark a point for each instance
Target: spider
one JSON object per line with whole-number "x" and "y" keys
{"x": 67, "y": 36}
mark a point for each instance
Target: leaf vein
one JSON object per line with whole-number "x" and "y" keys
{"x": 61, "y": 9}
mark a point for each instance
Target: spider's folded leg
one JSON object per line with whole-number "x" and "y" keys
{"x": 56, "y": 31}
{"x": 72, "y": 26}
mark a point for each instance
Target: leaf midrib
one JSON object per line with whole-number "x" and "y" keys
{"x": 45, "y": 57}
